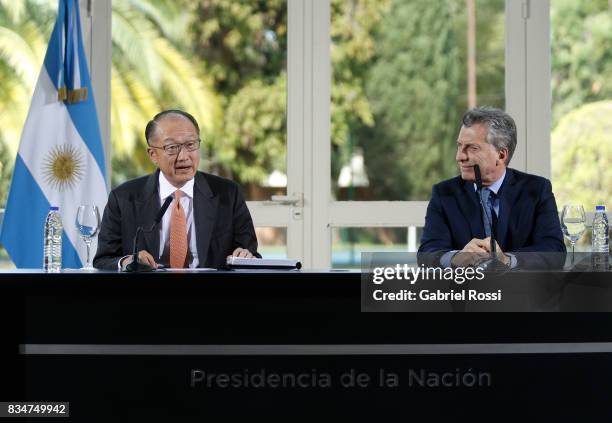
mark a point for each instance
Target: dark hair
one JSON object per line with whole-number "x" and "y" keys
{"x": 501, "y": 129}
{"x": 152, "y": 125}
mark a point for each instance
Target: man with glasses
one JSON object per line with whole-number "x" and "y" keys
{"x": 206, "y": 221}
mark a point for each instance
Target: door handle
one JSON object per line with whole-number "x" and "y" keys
{"x": 286, "y": 200}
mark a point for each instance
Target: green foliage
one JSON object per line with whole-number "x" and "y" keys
{"x": 490, "y": 50}
{"x": 354, "y": 25}
{"x": 6, "y": 170}
{"x": 582, "y": 57}
{"x": 255, "y": 124}
{"x": 412, "y": 68}
{"x": 152, "y": 71}
{"x": 581, "y": 156}
{"x": 240, "y": 41}
{"x": 243, "y": 47}
{"x": 25, "y": 27}
{"x": 582, "y": 90}
{"x": 413, "y": 89}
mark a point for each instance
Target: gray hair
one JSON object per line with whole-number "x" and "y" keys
{"x": 501, "y": 129}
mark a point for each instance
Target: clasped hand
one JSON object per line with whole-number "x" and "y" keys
{"x": 475, "y": 251}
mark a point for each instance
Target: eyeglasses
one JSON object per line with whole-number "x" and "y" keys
{"x": 174, "y": 149}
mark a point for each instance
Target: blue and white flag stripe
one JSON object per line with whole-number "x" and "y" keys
{"x": 60, "y": 161}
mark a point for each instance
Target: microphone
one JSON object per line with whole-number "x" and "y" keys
{"x": 162, "y": 211}
{"x": 135, "y": 265}
{"x": 478, "y": 178}
{"x": 491, "y": 263}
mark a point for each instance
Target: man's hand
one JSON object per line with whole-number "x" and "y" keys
{"x": 498, "y": 251}
{"x": 476, "y": 250}
{"x": 472, "y": 253}
{"x": 144, "y": 257}
{"x": 241, "y": 252}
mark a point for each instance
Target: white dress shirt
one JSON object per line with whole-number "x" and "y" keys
{"x": 166, "y": 189}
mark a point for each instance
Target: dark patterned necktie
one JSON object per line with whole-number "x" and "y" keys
{"x": 488, "y": 200}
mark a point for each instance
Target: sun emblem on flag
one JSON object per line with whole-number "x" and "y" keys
{"x": 63, "y": 167}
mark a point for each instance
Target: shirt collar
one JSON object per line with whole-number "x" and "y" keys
{"x": 495, "y": 186}
{"x": 166, "y": 188}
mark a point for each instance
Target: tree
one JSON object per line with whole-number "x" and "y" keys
{"x": 581, "y": 89}
{"x": 243, "y": 47}
{"x": 414, "y": 90}
{"x": 582, "y": 58}
{"x": 355, "y": 24}
{"x": 240, "y": 41}
{"x": 255, "y": 124}
{"x": 581, "y": 156}
{"x": 490, "y": 50}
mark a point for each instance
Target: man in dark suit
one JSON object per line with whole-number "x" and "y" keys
{"x": 207, "y": 219}
{"x": 520, "y": 208}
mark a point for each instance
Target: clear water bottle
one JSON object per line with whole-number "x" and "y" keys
{"x": 52, "y": 260}
{"x": 601, "y": 239}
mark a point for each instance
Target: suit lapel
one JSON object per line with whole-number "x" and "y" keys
{"x": 508, "y": 196}
{"x": 471, "y": 209}
{"x": 205, "y": 204}
{"x": 147, "y": 206}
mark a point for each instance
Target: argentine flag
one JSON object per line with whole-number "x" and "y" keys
{"x": 60, "y": 161}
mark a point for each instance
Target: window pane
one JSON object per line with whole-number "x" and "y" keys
{"x": 581, "y": 149}
{"x": 225, "y": 63}
{"x": 400, "y": 87}
{"x": 24, "y": 23}
{"x": 272, "y": 242}
{"x": 349, "y": 243}
{"x": 5, "y": 260}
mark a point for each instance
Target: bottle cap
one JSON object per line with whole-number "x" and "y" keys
{"x": 600, "y": 208}
{"x": 54, "y": 208}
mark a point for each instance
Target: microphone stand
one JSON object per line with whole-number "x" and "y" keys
{"x": 135, "y": 265}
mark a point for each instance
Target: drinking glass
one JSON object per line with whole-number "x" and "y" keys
{"x": 573, "y": 223}
{"x": 88, "y": 224}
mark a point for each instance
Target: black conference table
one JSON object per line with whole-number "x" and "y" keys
{"x": 183, "y": 346}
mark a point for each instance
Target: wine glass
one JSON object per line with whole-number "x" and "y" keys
{"x": 573, "y": 223}
{"x": 88, "y": 224}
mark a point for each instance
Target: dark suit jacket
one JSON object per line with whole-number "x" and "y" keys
{"x": 220, "y": 214}
{"x": 528, "y": 220}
